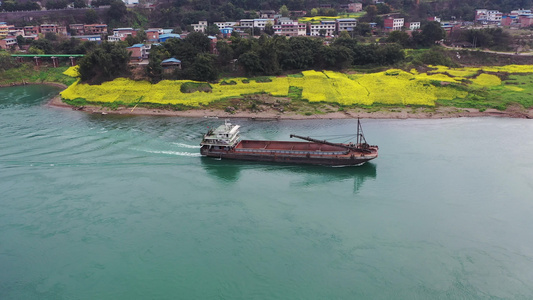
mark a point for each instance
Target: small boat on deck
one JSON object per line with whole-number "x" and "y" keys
{"x": 225, "y": 142}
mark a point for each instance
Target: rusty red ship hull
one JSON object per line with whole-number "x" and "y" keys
{"x": 294, "y": 152}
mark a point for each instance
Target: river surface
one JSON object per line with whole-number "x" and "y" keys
{"x": 123, "y": 207}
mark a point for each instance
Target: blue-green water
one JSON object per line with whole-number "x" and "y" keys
{"x": 114, "y": 207}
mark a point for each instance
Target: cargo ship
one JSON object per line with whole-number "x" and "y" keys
{"x": 225, "y": 142}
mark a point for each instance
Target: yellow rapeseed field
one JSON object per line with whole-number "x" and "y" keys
{"x": 394, "y": 87}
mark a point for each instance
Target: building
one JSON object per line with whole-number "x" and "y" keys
{"x": 486, "y": 16}
{"x": 90, "y": 38}
{"x": 95, "y": 29}
{"x": 222, "y": 25}
{"x": 62, "y": 30}
{"x": 200, "y": 27}
{"x": 31, "y": 30}
{"x": 136, "y": 52}
{"x": 165, "y": 36}
{"x": 226, "y": 32}
{"x": 347, "y": 24}
{"x": 170, "y": 64}
{"x": 393, "y": 24}
{"x": 152, "y": 34}
{"x": 76, "y": 29}
{"x": 267, "y": 14}
{"x": 15, "y": 31}
{"x": 120, "y": 34}
{"x": 140, "y": 51}
{"x": 261, "y": 23}
{"x": 412, "y": 25}
{"x": 288, "y": 27}
{"x": 326, "y": 27}
{"x": 46, "y": 28}
{"x": 4, "y": 29}
{"x": 355, "y": 7}
{"x": 7, "y": 43}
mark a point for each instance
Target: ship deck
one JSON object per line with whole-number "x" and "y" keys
{"x": 254, "y": 145}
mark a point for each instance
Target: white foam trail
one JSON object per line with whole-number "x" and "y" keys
{"x": 181, "y": 145}
{"x": 174, "y": 153}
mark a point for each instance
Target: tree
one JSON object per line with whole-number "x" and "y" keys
{"x": 212, "y": 29}
{"x": 91, "y": 17}
{"x": 284, "y": 11}
{"x": 269, "y": 28}
{"x": 363, "y": 29}
{"x": 117, "y": 11}
{"x": 79, "y": 4}
{"x": 314, "y": 12}
{"x": 371, "y": 11}
{"x": 203, "y": 68}
{"x": 432, "y": 32}
{"x": 250, "y": 61}
{"x": 154, "y": 70}
{"x": 6, "y": 61}
{"x": 399, "y": 37}
{"x": 106, "y": 62}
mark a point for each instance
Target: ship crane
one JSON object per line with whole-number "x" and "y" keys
{"x": 361, "y": 144}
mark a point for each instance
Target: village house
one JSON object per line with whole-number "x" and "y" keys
{"x": 170, "y": 64}
{"x": 412, "y": 25}
{"x": 31, "y": 30}
{"x": 393, "y": 24}
{"x": 90, "y": 38}
{"x": 327, "y": 27}
{"x": 347, "y": 24}
{"x": 152, "y": 34}
{"x": 46, "y": 28}
{"x": 8, "y": 43}
{"x": 4, "y": 29}
{"x": 165, "y": 36}
{"x": 200, "y": 27}
{"x": 288, "y": 27}
{"x": 120, "y": 34}
{"x": 76, "y": 29}
{"x": 95, "y": 29}
{"x": 486, "y": 16}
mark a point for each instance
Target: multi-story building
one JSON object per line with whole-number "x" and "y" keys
{"x": 62, "y": 30}
{"x": 393, "y": 24}
{"x": 76, "y": 29}
{"x": 4, "y": 29}
{"x": 91, "y": 38}
{"x": 327, "y": 27}
{"x": 45, "y": 28}
{"x": 246, "y": 23}
{"x": 200, "y": 27}
{"x": 31, "y": 30}
{"x": 222, "y": 25}
{"x": 15, "y": 31}
{"x": 95, "y": 29}
{"x": 7, "y": 43}
{"x": 347, "y": 24}
{"x": 412, "y": 25}
{"x": 288, "y": 27}
{"x": 261, "y": 23}
{"x": 486, "y": 16}
{"x": 152, "y": 34}
{"x": 120, "y": 34}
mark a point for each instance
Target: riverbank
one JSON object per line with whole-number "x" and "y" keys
{"x": 272, "y": 114}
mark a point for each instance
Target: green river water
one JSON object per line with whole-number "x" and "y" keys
{"x": 123, "y": 207}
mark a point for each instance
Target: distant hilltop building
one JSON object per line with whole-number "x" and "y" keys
{"x": 486, "y": 16}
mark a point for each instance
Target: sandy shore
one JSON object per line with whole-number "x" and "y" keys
{"x": 271, "y": 114}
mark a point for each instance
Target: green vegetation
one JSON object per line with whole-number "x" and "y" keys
{"x": 26, "y": 73}
{"x": 191, "y": 87}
